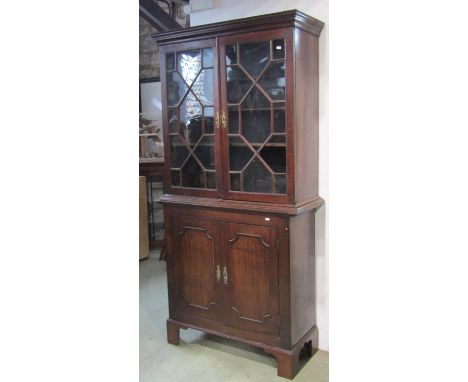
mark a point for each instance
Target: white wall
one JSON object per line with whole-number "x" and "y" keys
{"x": 229, "y": 9}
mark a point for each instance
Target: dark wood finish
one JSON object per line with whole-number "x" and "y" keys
{"x": 241, "y": 265}
{"x": 292, "y": 18}
{"x": 252, "y": 265}
{"x": 306, "y": 116}
{"x": 157, "y": 17}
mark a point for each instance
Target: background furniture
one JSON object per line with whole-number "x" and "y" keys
{"x": 153, "y": 171}
{"x": 144, "y": 242}
{"x": 240, "y": 117}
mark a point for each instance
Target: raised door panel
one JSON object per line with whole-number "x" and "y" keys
{"x": 252, "y": 268}
{"x": 196, "y": 268}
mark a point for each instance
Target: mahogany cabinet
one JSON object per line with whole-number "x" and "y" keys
{"x": 240, "y": 121}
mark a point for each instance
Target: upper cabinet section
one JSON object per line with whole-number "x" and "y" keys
{"x": 234, "y": 124}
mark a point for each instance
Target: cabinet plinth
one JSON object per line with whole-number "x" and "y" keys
{"x": 240, "y": 121}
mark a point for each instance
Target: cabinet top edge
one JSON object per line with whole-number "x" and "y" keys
{"x": 227, "y": 204}
{"x": 291, "y": 18}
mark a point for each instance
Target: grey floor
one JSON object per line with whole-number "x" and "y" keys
{"x": 200, "y": 357}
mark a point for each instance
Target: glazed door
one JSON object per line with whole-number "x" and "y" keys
{"x": 189, "y": 82}
{"x": 255, "y": 81}
{"x": 197, "y": 268}
{"x": 252, "y": 278}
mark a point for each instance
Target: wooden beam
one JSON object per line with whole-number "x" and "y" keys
{"x": 157, "y": 17}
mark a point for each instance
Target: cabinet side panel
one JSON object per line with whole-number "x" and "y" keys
{"x": 302, "y": 273}
{"x": 306, "y": 114}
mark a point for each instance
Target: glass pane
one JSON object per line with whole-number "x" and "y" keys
{"x": 278, "y": 49}
{"x": 255, "y": 100}
{"x": 172, "y": 117}
{"x": 237, "y": 84}
{"x": 203, "y": 87}
{"x": 176, "y": 88}
{"x": 254, "y": 57}
{"x": 235, "y": 182}
{"x": 189, "y": 64}
{"x": 277, "y": 139}
{"x": 279, "y": 121}
{"x": 275, "y": 157}
{"x": 209, "y": 120}
{"x": 231, "y": 54}
{"x": 205, "y": 152}
{"x": 170, "y": 61}
{"x": 256, "y": 125}
{"x": 239, "y": 153}
{"x": 192, "y": 174}
{"x": 280, "y": 184}
{"x": 210, "y": 180}
{"x": 191, "y": 119}
{"x": 175, "y": 174}
{"x": 273, "y": 80}
{"x": 233, "y": 119}
{"x": 208, "y": 58}
{"x": 179, "y": 151}
{"x": 257, "y": 178}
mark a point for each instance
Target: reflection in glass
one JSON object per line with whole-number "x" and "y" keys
{"x": 172, "y": 119}
{"x": 279, "y": 121}
{"x": 192, "y": 174}
{"x": 189, "y": 64}
{"x": 175, "y": 175}
{"x": 255, "y": 100}
{"x": 203, "y": 87}
{"x": 205, "y": 152}
{"x": 237, "y": 84}
{"x": 210, "y": 179}
{"x": 208, "y": 58}
{"x": 170, "y": 61}
{"x": 239, "y": 153}
{"x": 278, "y": 49}
{"x": 191, "y": 119}
{"x": 209, "y": 118}
{"x": 273, "y": 80}
{"x": 233, "y": 119}
{"x": 280, "y": 184}
{"x": 256, "y": 125}
{"x": 179, "y": 151}
{"x": 257, "y": 178}
{"x": 231, "y": 54}
{"x": 254, "y": 56}
{"x": 176, "y": 88}
{"x": 235, "y": 182}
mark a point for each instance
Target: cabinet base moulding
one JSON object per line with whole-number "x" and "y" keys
{"x": 287, "y": 360}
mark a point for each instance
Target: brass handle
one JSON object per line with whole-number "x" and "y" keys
{"x": 217, "y": 120}
{"x": 225, "y": 275}
{"x": 218, "y": 274}
{"x": 223, "y": 119}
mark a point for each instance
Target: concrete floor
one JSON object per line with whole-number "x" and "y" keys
{"x": 200, "y": 357}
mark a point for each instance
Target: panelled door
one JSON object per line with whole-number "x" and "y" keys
{"x": 197, "y": 267}
{"x": 252, "y": 276}
{"x": 255, "y": 87}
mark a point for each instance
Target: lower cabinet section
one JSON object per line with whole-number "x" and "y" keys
{"x": 226, "y": 272}
{"x": 230, "y": 274}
